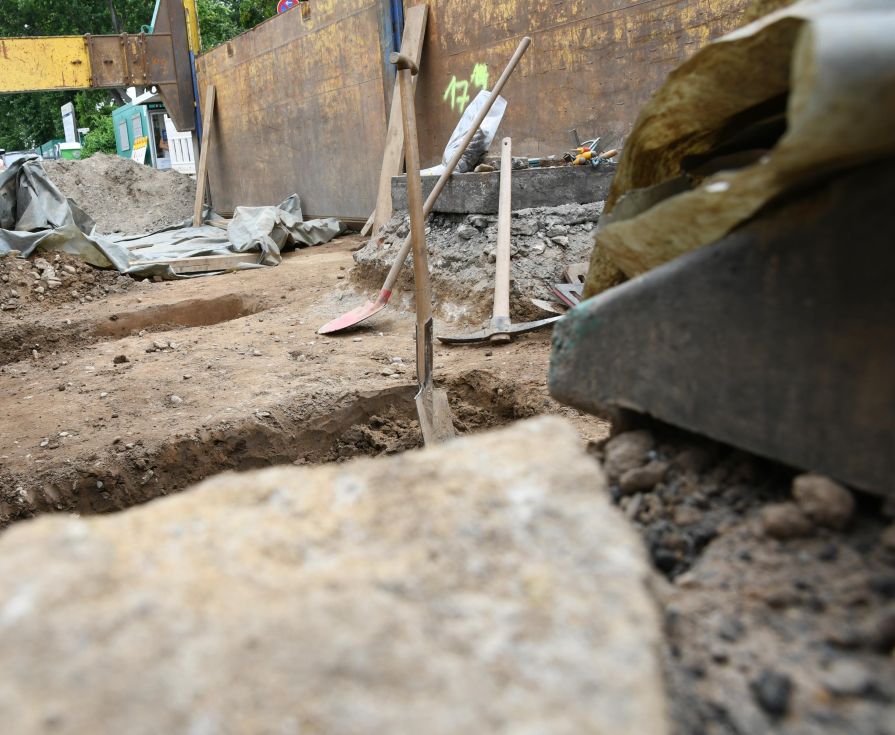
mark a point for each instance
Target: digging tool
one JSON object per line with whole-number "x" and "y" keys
{"x": 356, "y": 316}
{"x": 501, "y": 329}
{"x": 431, "y": 404}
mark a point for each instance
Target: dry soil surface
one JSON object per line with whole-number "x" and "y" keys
{"x": 113, "y": 402}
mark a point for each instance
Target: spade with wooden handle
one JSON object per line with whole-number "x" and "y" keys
{"x": 501, "y": 328}
{"x": 431, "y": 404}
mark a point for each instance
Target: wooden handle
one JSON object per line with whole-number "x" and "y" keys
{"x": 504, "y": 210}
{"x": 403, "y": 62}
{"x": 422, "y": 289}
{"x": 395, "y": 270}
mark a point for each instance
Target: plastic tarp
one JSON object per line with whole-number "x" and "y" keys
{"x": 34, "y": 215}
{"x": 825, "y": 67}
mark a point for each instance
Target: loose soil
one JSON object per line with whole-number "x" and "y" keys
{"x": 121, "y": 399}
{"x": 123, "y": 196}
{"x": 138, "y": 392}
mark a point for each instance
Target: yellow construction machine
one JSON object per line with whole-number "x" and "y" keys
{"x": 163, "y": 57}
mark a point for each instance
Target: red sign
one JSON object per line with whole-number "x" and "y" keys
{"x": 285, "y": 5}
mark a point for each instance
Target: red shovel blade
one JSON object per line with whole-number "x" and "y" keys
{"x": 356, "y": 316}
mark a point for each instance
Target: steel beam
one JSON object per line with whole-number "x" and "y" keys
{"x": 779, "y": 339}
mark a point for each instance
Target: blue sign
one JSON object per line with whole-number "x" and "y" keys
{"x": 285, "y": 5}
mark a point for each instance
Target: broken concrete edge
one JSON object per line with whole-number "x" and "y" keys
{"x": 487, "y": 580}
{"x": 653, "y": 344}
{"x": 533, "y": 187}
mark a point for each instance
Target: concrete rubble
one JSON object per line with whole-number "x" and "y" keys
{"x": 483, "y": 586}
{"x": 462, "y": 254}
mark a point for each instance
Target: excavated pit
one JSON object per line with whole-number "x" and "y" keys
{"x": 20, "y": 340}
{"x": 302, "y": 430}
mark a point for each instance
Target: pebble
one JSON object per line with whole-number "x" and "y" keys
{"x": 641, "y": 479}
{"x": 887, "y": 539}
{"x": 119, "y": 359}
{"x": 256, "y": 353}
{"x": 466, "y": 232}
{"x": 626, "y": 451}
{"x": 103, "y": 394}
{"x": 175, "y": 400}
{"x": 772, "y": 692}
{"x": 823, "y": 500}
{"x": 784, "y": 520}
{"x": 847, "y": 678}
{"x": 357, "y": 339}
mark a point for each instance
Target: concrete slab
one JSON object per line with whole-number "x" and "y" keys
{"x": 474, "y": 193}
{"x": 779, "y": 339}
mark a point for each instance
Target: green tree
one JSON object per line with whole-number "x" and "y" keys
{"x": 29, "y": 119}
{"x": 100, "y": 139}
{"x": 218, "y": 22}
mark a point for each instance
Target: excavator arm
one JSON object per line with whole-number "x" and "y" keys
{"x": 163, "y": 58}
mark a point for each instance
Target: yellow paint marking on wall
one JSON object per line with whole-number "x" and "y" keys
{"x": 33, "y": 64}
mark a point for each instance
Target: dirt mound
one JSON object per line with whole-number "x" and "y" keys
{"x": 462, "y": 254}
{"x": 123, "y": 196}
{"x": 52, "y": 280}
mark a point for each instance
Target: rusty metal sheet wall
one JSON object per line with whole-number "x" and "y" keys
{"x": 300, "y": 108}
{"x": 592, "y": 63}
{"x": 302, "y": 105}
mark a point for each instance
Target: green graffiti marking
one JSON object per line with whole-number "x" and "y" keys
{"x": 457, "y": 93}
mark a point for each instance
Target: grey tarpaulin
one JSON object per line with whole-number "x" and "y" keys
{"x": 34, "y": 215}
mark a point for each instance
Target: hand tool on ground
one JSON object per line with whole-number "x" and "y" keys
{"x": 500, "y": 329}
{"x": 356, "y": 316}
{"x": 431, "y": 404}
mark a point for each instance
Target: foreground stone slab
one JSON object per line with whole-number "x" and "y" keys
{"x": 484, "y": 586}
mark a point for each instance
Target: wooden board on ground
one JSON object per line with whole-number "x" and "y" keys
{"x": 393, "y": 156}
{"x": 208, "y": 263}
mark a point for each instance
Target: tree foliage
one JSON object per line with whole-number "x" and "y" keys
{"x": 29, "y": 119}
{"x": 100, "y": 139}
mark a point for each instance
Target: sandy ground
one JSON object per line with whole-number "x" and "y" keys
{"x": 125, "y": 398}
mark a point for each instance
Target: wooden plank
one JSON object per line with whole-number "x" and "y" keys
{"x": 206, "y": 263}
{"x": 393, "y": 156}
{"x": 368, "y": 225}
{"x": 202, "y": 171}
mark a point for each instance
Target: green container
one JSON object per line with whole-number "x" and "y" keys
{"x": 71, "y": 151}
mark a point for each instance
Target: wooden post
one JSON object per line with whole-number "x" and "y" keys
{"x": 207, "y": 119}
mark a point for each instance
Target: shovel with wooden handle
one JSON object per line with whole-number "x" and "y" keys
{"x": 356, "y": 316}
{"x": 431, "y": 404}
{"x": 501, "y": 329}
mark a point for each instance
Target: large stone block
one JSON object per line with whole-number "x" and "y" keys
{"x": 474, "y": 193}
{"x": 487, "y": 585}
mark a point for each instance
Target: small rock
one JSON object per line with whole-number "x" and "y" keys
{"x": 357, "y": 339}
{"x": 785, "y": 520}
{"x": 478, "y": 221}
{"x": 693, "y": 459}
{"x": 175, "y": 400}
{"x": 687, "y": 515}
{"x": 525, "y": 227}
{"x": 772, "y": 692}
{"x": 887, "y": 539}
{"x": 557, "y": 230}
{"x": 642, "y": 479}
{"x": 626, "y": 451}
{"x": 103, "y": 394}
{"x": 823, "y": 500}
{"x": 256, "y": 353}
{"x": 386, "y": 371}
{"x": 466, "y": 232}
{"x": 562, "y": 241}
{"x": 187, "y": 377}
{"x": 120, "y": 359}
{"x": 847, "y": 678}
{"x": 159, "y": 345}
